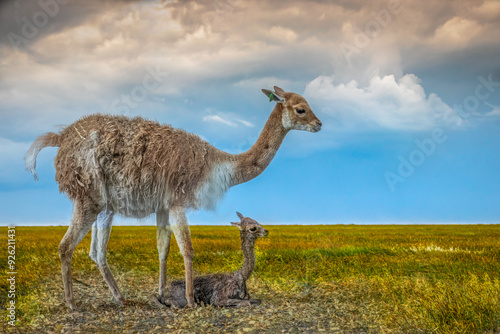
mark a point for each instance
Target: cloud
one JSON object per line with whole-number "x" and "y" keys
{"x": 88, "y": 56}
{"x": 385, "y": 102}
{"x": 226, "y": 119}
{"x": 218, "y": 119}
{"x": 246, "y": 123}
{"x": 457, "y": 32}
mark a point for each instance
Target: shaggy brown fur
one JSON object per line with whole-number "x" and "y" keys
{"x": 136, "y": 167}
{"x": 227, "y": 289}
{"x": 143, "y": 165}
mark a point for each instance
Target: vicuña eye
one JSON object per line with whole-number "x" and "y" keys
{"x": 300, "y": 111}
{"x": 253, "y": 229}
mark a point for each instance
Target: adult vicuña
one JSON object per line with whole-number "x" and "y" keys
{"x": 134, "y": 167}
{"x": 225, "y": 289}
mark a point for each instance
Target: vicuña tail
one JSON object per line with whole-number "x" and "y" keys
{"x": 49, "y": 139}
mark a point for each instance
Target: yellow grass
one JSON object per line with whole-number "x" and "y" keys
{"x": 412, "y": 279}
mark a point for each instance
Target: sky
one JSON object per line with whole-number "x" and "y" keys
{"x": 408, "y": 93}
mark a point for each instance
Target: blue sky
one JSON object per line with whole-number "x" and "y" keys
{"x": 408, "y": 93}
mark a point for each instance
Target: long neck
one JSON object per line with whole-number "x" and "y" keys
{"x": 252, "y": 163}
{"x": 248, "y": 248}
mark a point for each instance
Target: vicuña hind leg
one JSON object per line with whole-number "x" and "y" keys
{"x": 84, "y": 213}
{"x": 180, "y": 227}
{"x": 101, "y": 231}
{"x": 163, "y": 235}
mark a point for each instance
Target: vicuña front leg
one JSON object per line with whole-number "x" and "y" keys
{"x": 163, "y": 236}
{"x": 180, "y": 227}
{"x": 101, "y": 231}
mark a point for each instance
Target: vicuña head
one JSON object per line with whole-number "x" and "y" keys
{"x": 249, "y": 228}
{"x": 297, "y": 114}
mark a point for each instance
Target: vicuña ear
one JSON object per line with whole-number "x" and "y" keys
{"x": 240, "y": 215}
{"x": 235, "y": 224}
{"x": 280, "y": 92}
{"x": 272, "y": 96}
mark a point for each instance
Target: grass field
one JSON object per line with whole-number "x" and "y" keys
{"x": 338, "y": 278}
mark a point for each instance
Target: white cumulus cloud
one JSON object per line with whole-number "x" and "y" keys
{"x": 384, "y": 102}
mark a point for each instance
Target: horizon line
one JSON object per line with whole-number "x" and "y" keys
{"x": 44, "y": 224}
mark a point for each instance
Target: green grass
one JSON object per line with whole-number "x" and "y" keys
{"x": 418, "y": 279}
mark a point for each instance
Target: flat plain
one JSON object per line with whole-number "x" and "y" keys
{"x": 316, "y": 278}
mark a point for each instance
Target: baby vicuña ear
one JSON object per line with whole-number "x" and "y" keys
{"x": 235, "y": 224}
{"x": 272, "y": 96}
{"x": 240, "y": 215}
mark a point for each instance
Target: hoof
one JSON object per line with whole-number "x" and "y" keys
{"x": 73, "y": 307}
